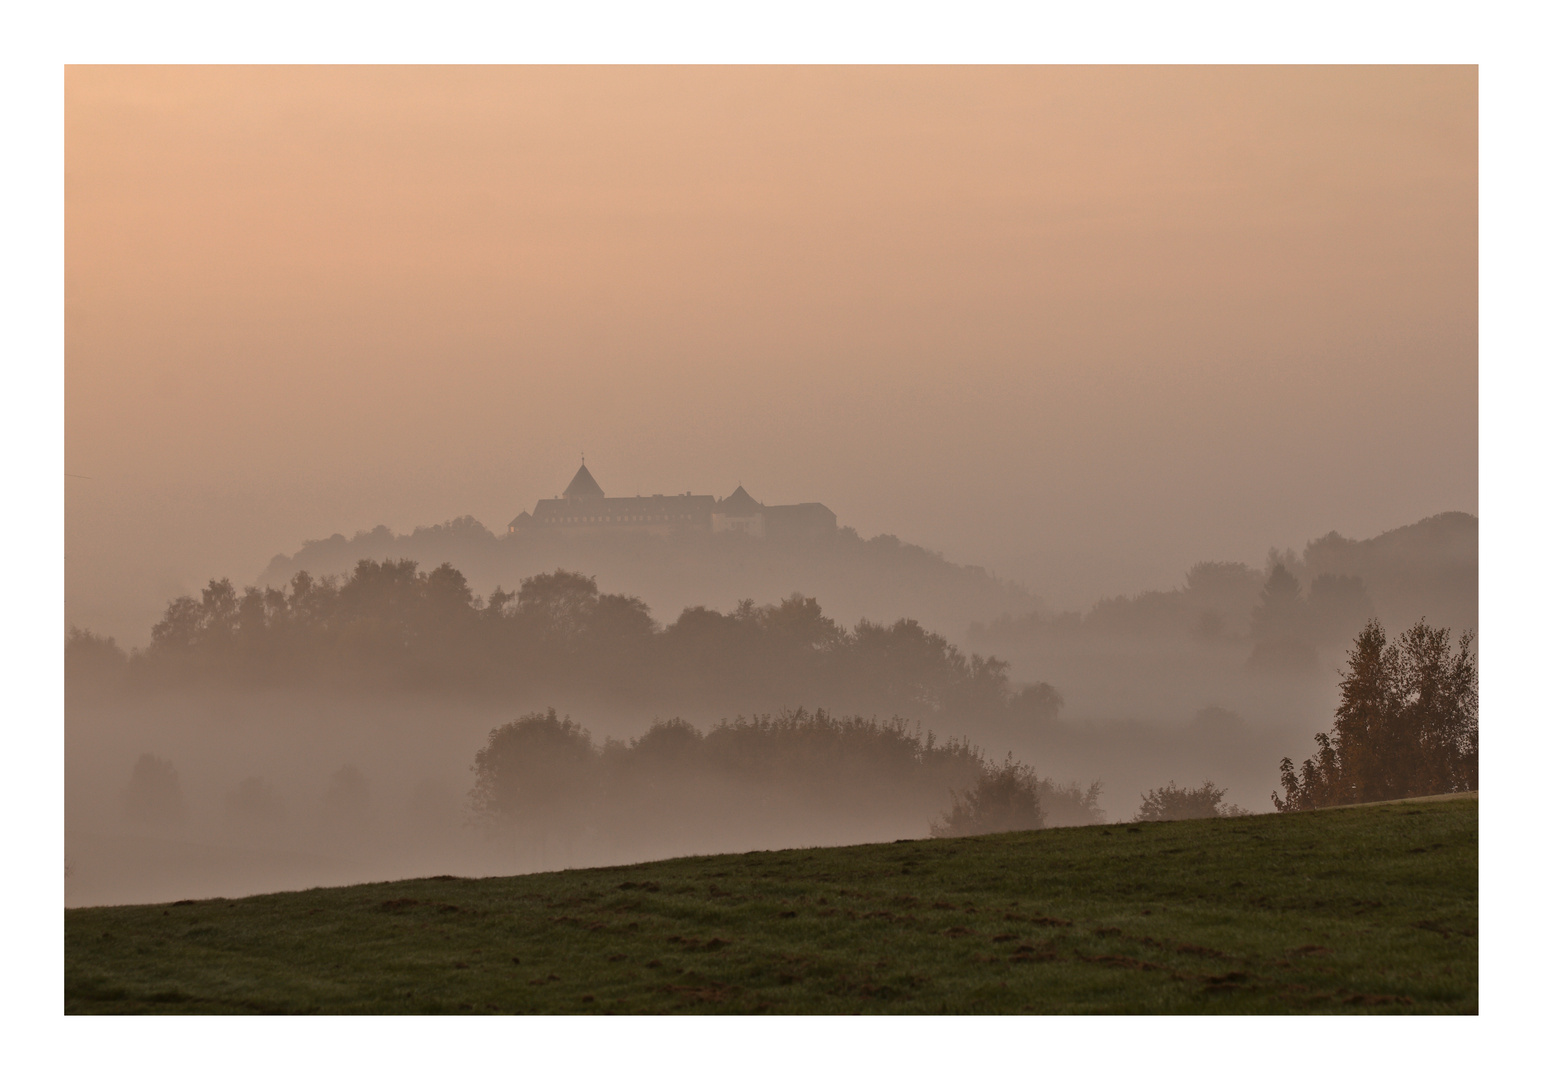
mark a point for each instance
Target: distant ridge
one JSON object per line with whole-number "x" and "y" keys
{"x": 1430, "y": 569}
{"x": 881, "y": 578}
{"x": 1427, "y": 568}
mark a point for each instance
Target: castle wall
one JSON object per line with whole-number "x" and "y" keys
{"x": 749, "y": 524}
{"x": 660, "y": 514}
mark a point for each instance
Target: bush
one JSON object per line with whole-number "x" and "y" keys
{"x": 1068, "y": 804}
{"x": 1004, "y": 799}
{"x": 1173, "y": 803}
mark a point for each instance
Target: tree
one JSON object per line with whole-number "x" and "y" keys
{"x": 1278, "y": 626}
{"x": 557, "y": 606}
{"x": 534, "y": 777}
{"x": 90, "y": 659}
{"x": 1038, "y": 702}
{"x": 1407, "y": 724}
{"x": 1279, "y": 612}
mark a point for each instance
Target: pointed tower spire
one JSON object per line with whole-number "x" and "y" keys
{"x": 583, "y": 485}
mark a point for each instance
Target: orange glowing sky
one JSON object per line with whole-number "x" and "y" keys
{"x": 1083, "y": 326}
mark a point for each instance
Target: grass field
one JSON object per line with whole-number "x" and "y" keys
{"x": 1370, "y": 909}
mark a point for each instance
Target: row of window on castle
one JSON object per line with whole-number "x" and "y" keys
{"x": 649, "y": 517}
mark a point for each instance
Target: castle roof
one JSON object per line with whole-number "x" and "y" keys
{"x": 739, "y": 504}
{"x": 583, "y": 486}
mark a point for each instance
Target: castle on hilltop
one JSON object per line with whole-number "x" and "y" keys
{"x": 584, "y": 509}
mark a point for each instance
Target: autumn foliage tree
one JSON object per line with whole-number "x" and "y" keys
{"x": 1407, "y": 724}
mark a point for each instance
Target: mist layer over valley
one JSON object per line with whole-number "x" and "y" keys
{"x": 325, "y": 731}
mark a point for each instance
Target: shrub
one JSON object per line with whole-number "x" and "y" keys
{"x": 1173, "y": 803}
{"x": 1068, "y": 804}
{"x": 1005, "y": 799}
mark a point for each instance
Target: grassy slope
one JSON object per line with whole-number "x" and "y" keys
{"x": 1366, "y": 909}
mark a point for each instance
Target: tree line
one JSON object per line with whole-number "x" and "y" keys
{"x": 544, "y": 782}
{"x": 389, "y": 625}
{"x": 1297, "y": 607}
{"x": 1406, "y": 725}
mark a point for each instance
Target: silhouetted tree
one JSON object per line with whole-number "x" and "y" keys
{"x": 1279, "y": 625}
{"x": 557, "y": 606}
{"x": 1038, "y": 702}
{"x": 534, "y": 777}
{"x": 1407, "y": 724}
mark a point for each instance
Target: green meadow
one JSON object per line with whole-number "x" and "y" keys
{"x": 1366, "y": 909}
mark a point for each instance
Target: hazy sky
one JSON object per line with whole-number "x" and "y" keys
{"x": 1083, "y": 326}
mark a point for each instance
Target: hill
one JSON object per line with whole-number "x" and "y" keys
{"x": 1214, "y": 643}
{"x": 1365, "y": 909}
{"x": 880, "y": 578}
{"x": 1429, "y": 569}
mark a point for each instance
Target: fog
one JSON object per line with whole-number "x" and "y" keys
{"x": 329, "y": 730}
{"x": 1046, "y": 342}
{"x": 283, "y": 791}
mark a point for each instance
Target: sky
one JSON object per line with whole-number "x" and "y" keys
{"x": 1081, "y": 326}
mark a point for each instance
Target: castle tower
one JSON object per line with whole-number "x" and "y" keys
{"x": 583, "y": 485}
{"x": 740, "y": 513}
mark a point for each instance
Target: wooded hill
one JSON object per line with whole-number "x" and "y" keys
{"x": 880, "y": 579}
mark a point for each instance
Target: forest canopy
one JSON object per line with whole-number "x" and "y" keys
{"x": 390, "y": 625}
